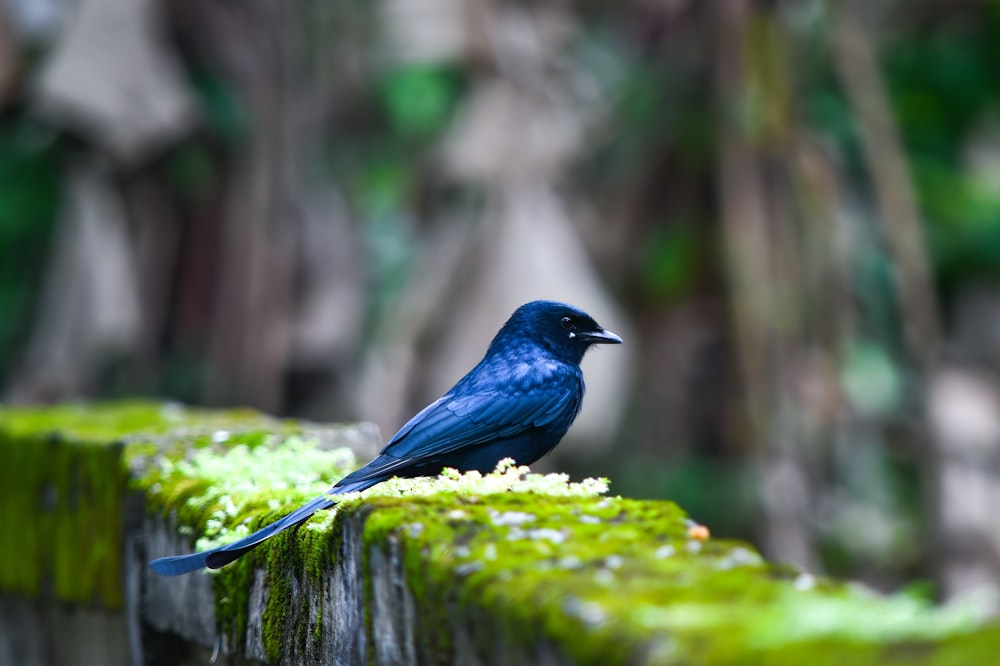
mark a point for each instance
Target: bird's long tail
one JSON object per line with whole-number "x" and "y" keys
{"x": 217, "y": 557}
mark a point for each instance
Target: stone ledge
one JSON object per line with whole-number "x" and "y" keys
{"x": 513, "y": 568}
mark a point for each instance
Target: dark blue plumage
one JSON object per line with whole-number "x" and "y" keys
{"x": 518, "y": 402}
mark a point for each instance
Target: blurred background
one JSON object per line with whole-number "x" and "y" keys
{"x": 789, "y": 209}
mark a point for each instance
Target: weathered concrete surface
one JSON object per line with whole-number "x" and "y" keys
{"x": 184, "y": 605}
{"x": 36, "y": 632}
{"x": 393, "y": 631}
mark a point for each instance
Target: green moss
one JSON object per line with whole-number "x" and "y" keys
{"x": 226, "y": 491}
{"x": 63, "y": 507}
{"x": 278, "y": 611}
{"x": 64, "y": 473}
{"x": 21, "y": 522}
{"x": 607, "y": 579}
{"x": 103, "y": 423}
{"x": 292, "y": 562}
{"x": 542, "y": 559}
{"x": 219, "y": 491}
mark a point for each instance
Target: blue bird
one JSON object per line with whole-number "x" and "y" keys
{"x": 518, "y": 402}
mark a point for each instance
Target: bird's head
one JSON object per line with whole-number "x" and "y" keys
{"x": 565, "y": 331}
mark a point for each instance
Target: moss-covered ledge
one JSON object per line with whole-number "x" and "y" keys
{"x": 73, "y": 518}
{"x": 511, "y": 568}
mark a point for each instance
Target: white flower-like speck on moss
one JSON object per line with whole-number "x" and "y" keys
{"x": 507, "y": 477}
{"x": 286, "y": 474}
{"x": 510, "y": 518}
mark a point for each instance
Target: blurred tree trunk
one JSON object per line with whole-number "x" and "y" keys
{"x": 286, "y": 277}
{"x": 789, "y": 281}
{"x": 90, "y": 308}
{"x": 954, "y": 408}
{"x": 229, "y": 276}
{"x": 753, "y": 112}
{"x": 257, "y": 47}
{"x": 856, "y": 63}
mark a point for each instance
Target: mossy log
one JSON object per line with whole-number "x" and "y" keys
{"x": 510, "y": 568}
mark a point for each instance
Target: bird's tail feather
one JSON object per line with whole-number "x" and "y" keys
{"x": 217, "y": 557}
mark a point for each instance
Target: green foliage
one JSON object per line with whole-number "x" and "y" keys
{"x": 942, "y": 81}
{"x": 870, "y": 379}
{"x": 31, "y": 171}
{"x": 419, "y": 99}
{"x": 225, "y": 113}
{"x": 946, "y": 94}
{"x": 382, "y": 191}
{"x": 671, "y": 262}
{"x": 64, "y": 475}
{"x": 191, "y": 171}
{"x": 382, "y": 187}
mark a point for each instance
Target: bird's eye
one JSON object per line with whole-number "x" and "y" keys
{"x": 567, "y": 323}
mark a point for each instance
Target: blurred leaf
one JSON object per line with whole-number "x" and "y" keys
{"x": 940, "y": 82}
{"x": 382, "y": 186}
{"x": 382, "y": 192}
{"x": 419, "y": 99}
{"x": 30, "y": 180}
{"x": 870, "y": 379}
{"x": 963, "y": 220}
{"x": 671, "y": 262}
{"x": 716, "y": 492}
{"x": 31, "y": 172}
{"x": 191, "y": 171}
{"x": 642, "y": 98}
{"x": 182, "y": 377}
{"x": 920, "y": 590}
{"x": 224, "y": 111}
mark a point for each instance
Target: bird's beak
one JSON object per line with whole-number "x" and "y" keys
{"x": 601, "y": 337}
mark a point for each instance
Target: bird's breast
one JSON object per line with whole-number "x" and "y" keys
{"x": 535, "y": 372}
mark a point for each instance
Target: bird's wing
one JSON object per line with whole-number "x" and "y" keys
{"x": 459, "y": 420}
